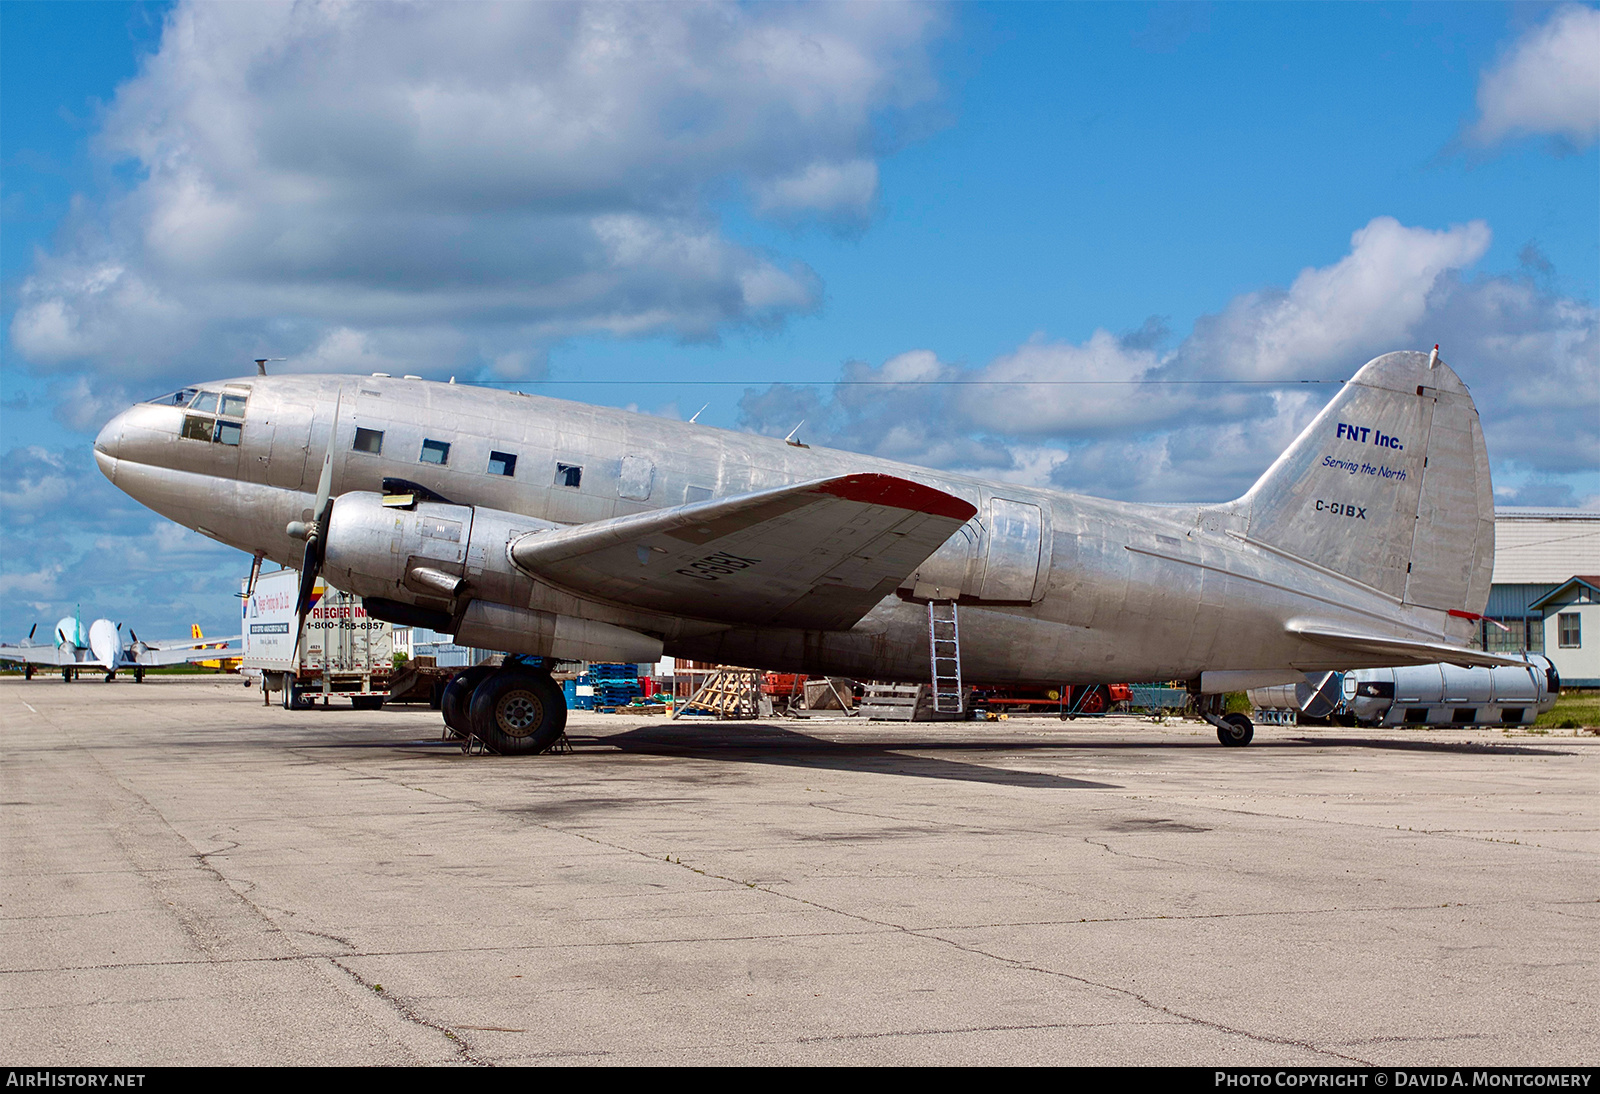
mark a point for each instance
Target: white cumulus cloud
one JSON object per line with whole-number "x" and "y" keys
{"x": 1548, "y": 82}
{"x": 1111, "y": 416}
{"x": 326, "y": 181}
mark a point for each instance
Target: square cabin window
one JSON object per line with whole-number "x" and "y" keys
{"x": 369, "y": 440}
{"x": 436, "y": 452}
{"x": 196, "y": 428}
{"x": 1570, "y": 626}
{"x": 502, "y": 463}
{"x": 233, "y": 404}
{"x": 568, "y": 474}
{"x": 227, "y": 432}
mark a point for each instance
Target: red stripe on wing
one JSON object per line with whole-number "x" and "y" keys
{"x": 873, "y": 489}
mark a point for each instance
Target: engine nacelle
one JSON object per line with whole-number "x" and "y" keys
{"x": 446, "y": 564}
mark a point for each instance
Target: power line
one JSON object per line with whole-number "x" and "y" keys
{"x": 899, "y": 383}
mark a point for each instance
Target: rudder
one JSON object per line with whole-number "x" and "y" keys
{"x": 1389, "y": 486}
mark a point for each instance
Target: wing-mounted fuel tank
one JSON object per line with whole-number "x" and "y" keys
{"x": 447, "y": 567}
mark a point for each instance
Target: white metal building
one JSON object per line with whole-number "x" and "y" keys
{"x": 1535, "y": 551}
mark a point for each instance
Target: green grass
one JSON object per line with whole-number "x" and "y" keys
{"x": 1581, "y": 708}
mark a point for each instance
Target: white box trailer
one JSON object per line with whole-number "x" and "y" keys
{"x": 343, "y": 651}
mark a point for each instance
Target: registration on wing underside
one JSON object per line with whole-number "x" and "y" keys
{"x": 817, "y": 555}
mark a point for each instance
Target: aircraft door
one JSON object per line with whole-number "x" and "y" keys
{"x": 1013, "y": 551}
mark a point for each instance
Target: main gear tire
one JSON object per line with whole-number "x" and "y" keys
{"x": 456, "y": 701}
{"x": 519, "y": 711}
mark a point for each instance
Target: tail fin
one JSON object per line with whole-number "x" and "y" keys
{"x": 194, "y": 631}
{"x": 1388, "y": 486}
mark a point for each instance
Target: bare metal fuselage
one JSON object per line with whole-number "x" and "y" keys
{"x": 1052, "y": 586}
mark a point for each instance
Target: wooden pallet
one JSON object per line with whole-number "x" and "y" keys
{"x": 728, "y": 693}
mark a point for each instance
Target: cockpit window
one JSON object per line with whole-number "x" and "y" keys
{"x": 202, "y": 421}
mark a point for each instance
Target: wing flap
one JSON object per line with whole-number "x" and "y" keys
{"x": 1378, "y": 651}
{"x": 816, "y": 555}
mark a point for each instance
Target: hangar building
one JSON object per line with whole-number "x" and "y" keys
{"x": 1540, "y": 556}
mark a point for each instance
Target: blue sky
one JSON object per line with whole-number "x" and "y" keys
{"x": 793, "y": 194}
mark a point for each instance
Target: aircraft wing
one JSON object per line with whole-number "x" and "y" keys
{"x": 816, "y": 555}
{"x": 180, "y": 651}
{"x": 1365, "y": 647}
{"x": 37, "y": 655}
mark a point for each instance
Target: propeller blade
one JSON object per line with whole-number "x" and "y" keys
{"x": 319, "y": 512}
{"x": 31, "y": 630}
{"x": 311, "y": 563}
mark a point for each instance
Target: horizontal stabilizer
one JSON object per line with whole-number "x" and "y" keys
{"x": 816, "y": 555}
{"x": 1382, "y": 651}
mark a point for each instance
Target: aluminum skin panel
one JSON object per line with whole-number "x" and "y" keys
{"x": 1011, "y": 550}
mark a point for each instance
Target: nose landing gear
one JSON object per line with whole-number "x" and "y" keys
{"x": 515, "y": 709}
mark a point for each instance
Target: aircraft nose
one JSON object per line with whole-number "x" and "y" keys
{"x": 108, "y": 445}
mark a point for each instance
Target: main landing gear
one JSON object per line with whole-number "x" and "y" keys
{"x": 516, "y": 709}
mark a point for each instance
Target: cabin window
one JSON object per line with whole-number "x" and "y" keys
{"x": 502, "y": 463}
{"x": 233, "y": 405}
{"x": 370, "y": 440}
{"x": 568, "y": 474}
{"x": 227, "y": 432}
{"x": 635, "y": 478}
{"x": 196, "y": 428}
{"x": 436, "y": 452}
{"x": 204, "y": 403}
{"x": 1570, "y": 626}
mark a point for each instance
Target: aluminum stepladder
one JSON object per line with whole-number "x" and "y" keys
{"x": 944, "y": 654}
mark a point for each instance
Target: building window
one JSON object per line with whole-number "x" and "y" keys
{"x": 370, "y": 440}
{"x": 502, "y": 463}
{"x": 1568, "y": 624}
{"x": 436, "y": 452}
{"x": 1511, "y": 640}
{"x": 568, "y": 474}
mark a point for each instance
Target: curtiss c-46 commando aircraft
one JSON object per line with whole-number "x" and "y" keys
{"x": 561, "y": 531}
{"x": 101, "y": 648}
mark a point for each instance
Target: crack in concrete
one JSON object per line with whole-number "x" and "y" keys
{"x": 463, "y": 1048}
